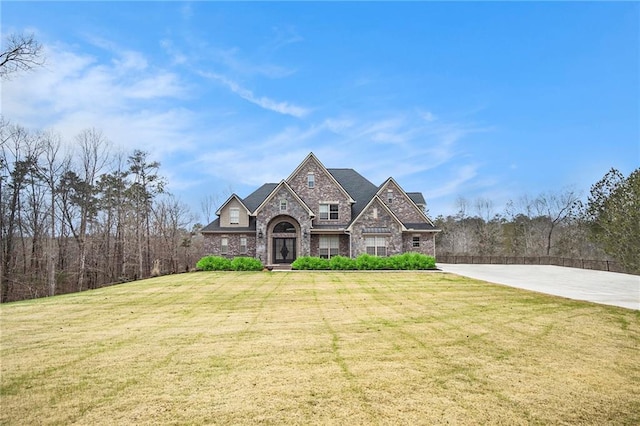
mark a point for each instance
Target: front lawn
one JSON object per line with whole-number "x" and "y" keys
{"x": 317, "y": 348}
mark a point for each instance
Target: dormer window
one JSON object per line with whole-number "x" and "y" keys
{"x": 311, "y": 180}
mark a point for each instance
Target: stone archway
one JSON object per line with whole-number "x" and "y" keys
{"x": 285, "y": 234}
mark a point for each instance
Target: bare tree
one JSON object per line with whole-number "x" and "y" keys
{"x": 21, "y": 52}
{"x": 557, "y": 207}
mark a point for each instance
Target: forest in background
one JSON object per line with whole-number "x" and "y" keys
{"x": 81, "y": 218}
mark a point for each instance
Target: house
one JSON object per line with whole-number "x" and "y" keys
{"x": 321, "y": 212}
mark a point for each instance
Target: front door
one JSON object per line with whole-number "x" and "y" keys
{"x": 284, "y": 250}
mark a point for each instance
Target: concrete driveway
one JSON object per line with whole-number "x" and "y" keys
{"x": 608, "y": 288}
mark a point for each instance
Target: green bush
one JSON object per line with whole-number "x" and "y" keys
{"x": 342, "y": 263}
{"x": 213, "y": 263}
{"x": 246, "y": 264}
{"x": 217, "y": 263}
{"x": 367, "y": 262}
{"x": 412, "y": 261}
{"x": 310, "y": 263}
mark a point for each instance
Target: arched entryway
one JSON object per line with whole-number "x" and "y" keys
{"x": 284, "y": 240}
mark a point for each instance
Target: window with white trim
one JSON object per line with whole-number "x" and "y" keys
{"x": 243, "y": 245}
{"x": 311, "y": 180}
{"x": 328, "y": 212}
{"x": 283, "y": 205}
{"x": 329, "y": 246}
{"x": 376, "y": 245}
{"x": 415, "y": 242}
{"x": 224, "y": 245}
{"x": 234, "y": 215}
{"x": 390, "y": 196}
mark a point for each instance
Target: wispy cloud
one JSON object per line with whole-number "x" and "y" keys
{"x": 281, "y": 107}
{"x": 133, "y": 103}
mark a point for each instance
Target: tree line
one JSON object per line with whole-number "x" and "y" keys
{"x": 77, "y": 219}
{"x": 559, "y": 224}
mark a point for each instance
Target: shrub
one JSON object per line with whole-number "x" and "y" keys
{"x": 342, "y": 263}
{"x": 412, "y": 261}
{"x": 213, "y": 263}
{"x": 310, "y": 263}
{"x": 366, "y": 262}
{"x": 246, "y": 264}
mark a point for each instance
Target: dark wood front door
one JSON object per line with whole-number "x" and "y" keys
{"x": 284, "y": 250}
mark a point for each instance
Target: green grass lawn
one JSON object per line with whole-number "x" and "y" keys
{"x": 317, "y": 348}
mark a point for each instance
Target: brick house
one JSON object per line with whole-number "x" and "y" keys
{"x": 321, "y": 212}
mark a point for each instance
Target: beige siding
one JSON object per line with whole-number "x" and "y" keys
{"x": 225, "y": 220}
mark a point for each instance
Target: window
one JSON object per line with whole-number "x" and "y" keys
{"x": 311, "y": 180}
{"x": 328, "y": 212}
{"x": 243, "y": 245}
{"x": 283, "y": 205}
{"x": 415, "y": 242}
{"x": 224, "y": 246}
{"x": 329, "y": 246}
{"x": 234, "y": 216}
{"x": 375, "y": 212}
{"x": 376, "y": 246}
{"x": 390, "y": 196}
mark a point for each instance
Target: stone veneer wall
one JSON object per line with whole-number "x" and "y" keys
{"x": 212, "y": 244}
{"x": 427, "y": 243}
{"x": 383, "y": 220}
{"x": 325, "y": 190}
{"x": 401, "y": 205}
{"x": 271, "y": 214}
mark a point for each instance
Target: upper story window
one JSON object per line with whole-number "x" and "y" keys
{"x": 390, "y": 196}
{"x": 283, "y": 205}
{"x": 328, "y": 211}
{"x": 234, "y": 216}
{"x": 311, "y": 180}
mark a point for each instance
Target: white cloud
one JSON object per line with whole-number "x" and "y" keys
{"x": 281, "y": 107}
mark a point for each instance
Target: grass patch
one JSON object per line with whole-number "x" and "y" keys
{"x": 317, "y": 348}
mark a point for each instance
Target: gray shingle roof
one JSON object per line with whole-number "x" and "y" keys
{"x": 417, "y": 198}
{"x": 356, "y": 185}
{"x": 253, "y": 200}
{"x": 360, "y": 188}
{"x": 215, "y": 227}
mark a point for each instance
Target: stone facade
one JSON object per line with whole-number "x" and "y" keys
{"x": 383, "y": 215}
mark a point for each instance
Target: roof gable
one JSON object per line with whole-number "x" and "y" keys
{"x": 377, "y": 201}
{"x": 391, "y": 184}
{"x": 283, "y": 185}
{"x": 232, "y": 197}
{"x": 305, "y": 165}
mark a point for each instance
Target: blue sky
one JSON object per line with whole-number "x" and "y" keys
{"x": 477, "y": 100}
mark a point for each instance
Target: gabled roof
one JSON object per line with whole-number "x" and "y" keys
{"x": 312, "y": 157}
{"x": 257, "y": 197}
{"x": 284, "y": 184}
{"x": 359, "y": 188}
{"x": 411, "y": 200}
{"x": 384, "y": 206}
{"x": 229, "y": 200}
